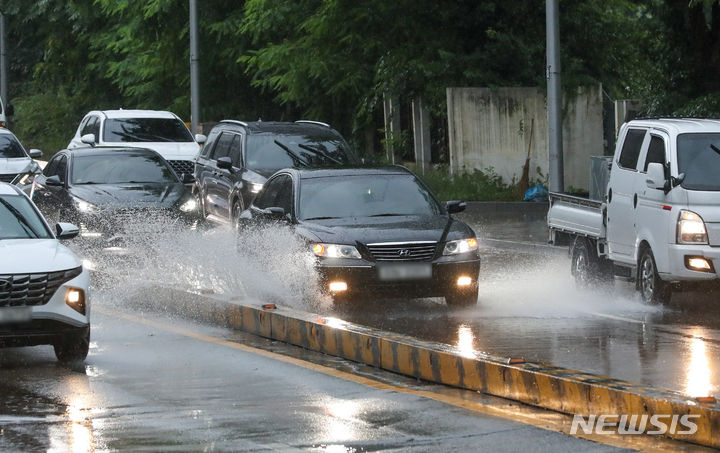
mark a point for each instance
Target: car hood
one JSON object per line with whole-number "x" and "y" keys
{"x": 369, "y": 230}
{"x": 168, "y": 150}
{"x": 130, "y": 195}
{"x": 35, "y": 256}
{"x": 15, "y": 165}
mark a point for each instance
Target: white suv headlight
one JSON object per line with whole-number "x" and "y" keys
{"x": 335, "y": 251}
{"x": 460, "y": 246}
{"x": 691, "y": 229}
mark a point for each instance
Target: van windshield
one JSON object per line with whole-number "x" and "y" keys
{"x": 699, "y": 159}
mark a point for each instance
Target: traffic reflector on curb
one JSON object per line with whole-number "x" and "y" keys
{"x": 515, "y": 361}
{"x": 269, "y": 307}
{"x": 706, "y": 399}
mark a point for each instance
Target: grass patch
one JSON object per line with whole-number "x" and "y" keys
{"x": 476, "y": 185}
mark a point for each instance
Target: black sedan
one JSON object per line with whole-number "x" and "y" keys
{"x": 103, "y": 190}
{"x": 378, "y": 232}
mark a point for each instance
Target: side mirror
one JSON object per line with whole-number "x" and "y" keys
{"x": 455, "y": 206}
{"x": 225, "y": 163}
{"x": 66, "y": 230}
{"x": 200, "y": 138}
{"x": 655, "y": 178}
{"x": 54, "y": 181}
{"x": 88, "y": 139}
{"x": 36, "y": 153}
{"x": 274, "y": 212}
{"x": 9, "y": 110}
{"x": 188, "y": 178}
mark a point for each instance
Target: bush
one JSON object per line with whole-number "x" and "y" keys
{"x": 477, "y": 185}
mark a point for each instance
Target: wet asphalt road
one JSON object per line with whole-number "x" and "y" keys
{"x": 529, "y": 307}
{"x": 176, "y": 386}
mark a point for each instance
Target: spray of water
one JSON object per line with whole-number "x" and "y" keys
{"x": 268, "y": 264}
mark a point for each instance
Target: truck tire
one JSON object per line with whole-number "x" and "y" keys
{"x": 588, "y": 269}
{"x": 653, "y": 289}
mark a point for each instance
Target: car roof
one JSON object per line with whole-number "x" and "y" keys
{"x": 307, "y": 173}
{"x": 278, "y": 127}
{"x": 107, "y": 150}
{"x": 679, "y": 125}
{"x": 8, "y": 189}
{"x": 121, "y": 113}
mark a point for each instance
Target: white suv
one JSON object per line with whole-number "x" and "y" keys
{"x": 160, "y": 131}
{"x": 43, "y": 286}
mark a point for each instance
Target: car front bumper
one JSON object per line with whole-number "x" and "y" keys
{"x": 363, "y": 278}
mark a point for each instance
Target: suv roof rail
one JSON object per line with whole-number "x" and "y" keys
{"x": 242, "y": 123}
{"x": 313, "y": 122}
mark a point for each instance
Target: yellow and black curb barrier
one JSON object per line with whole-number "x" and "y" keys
{"x": 547, "y": 386}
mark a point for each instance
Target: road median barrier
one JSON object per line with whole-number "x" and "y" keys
{"x": 559, "y": 389}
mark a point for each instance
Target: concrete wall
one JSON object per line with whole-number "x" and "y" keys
{"x": 491, "y": 128}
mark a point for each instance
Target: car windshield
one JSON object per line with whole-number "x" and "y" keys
{"x": 121, "y": 168}
{"x": 271, "y": 152}
{"x": 146, "y": 130}
{"x": 699, "y": 158}
{"x": 18, "y": 219}
{"x": 10, "y": 148}
{"x": 364, "y": 196}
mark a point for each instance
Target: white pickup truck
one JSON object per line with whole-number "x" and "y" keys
{"x": 659, "y": 223}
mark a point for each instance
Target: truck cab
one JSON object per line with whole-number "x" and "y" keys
{"x": 661, "y": 212}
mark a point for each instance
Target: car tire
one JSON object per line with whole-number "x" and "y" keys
{"x": 235, "y": 214}
{"x": 586, "y": 267}
{"x": 462, "y": 299}
{"x": 73, "y": 347}
{"x": 653, "y": 289}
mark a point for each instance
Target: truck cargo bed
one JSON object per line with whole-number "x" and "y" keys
{"x": 576, "y": 215}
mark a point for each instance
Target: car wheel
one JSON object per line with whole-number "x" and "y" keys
{"x": 73, "y": 347}
{"x": 652, "y": 288}
{"x": 463, "y": 299}
{"x": 236, "y": 211}
{"x": 586, "y": 267}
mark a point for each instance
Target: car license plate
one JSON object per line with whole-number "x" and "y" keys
{"x": 408, "y": 271}
{"x": 13, "y": 315}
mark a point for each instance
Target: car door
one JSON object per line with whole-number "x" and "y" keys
{"x": 226, "y": 178}
{"x": 653, "y": 208}
{"x": 50, "y": 199}
{"x": 215, "y": 189}
{"x": 622, "y": 196}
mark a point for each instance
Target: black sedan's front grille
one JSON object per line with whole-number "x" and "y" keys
{"x": 182, "y": 166}
{"x": 20, "y": 290}
{"x": 395, "y": 251}
{"x": 8, "y": 177}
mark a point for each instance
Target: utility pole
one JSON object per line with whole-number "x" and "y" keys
{"x": 194, "y": 76}
{"x": 3, "y": 62}
{"x": 554, "y": 97}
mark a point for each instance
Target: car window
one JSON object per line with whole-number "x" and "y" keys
{"x": 267, "y": 197}
{"x": 236, "y": 151}
{"x": 10, "y": 147}
{"x": 209, "y": 145}
{"x": 145, "y": 130}
{"x": 87, "y": 126}
{"x": 284, "y": 198}
{"x": 656, "y": 152}
{"x": 365, "y": 196}
{"x": 51, "y": 167}
{"x": 272, "y": 152}
{"x": 222, "y": 149}
{"x": 95, "y": 128}
{"x": 121, "y": 168}
{"x": 61, "y": 168}
{"x": 631, "y": 149}
{"x": 18, "y": 219}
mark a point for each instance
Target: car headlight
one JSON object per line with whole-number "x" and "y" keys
{"x": 255, "y": 188}
{"x": 335, "y": 251}
{"x": 84, "y": 206}
{"x": 189, "y": 205}
{"x": 460, "y": 246}
{"x": 691, "y": 229}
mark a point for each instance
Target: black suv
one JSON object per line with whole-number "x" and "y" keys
{"x": 239, "y": 156}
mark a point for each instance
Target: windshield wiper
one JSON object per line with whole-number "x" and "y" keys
{"x": 20, "y": 218}
{"x": 296, "y": 159}
{"x": 715, "y": 148}
{"x": 387, "y": 214}
{"x": 321, "y": 218}
{"x": 319, "y": 152}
